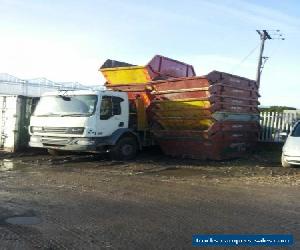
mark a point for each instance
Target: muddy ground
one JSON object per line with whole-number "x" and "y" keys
{"x": 155, "y": 202}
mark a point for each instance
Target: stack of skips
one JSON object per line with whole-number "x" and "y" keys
{"x": 210, "y": 117}
{"x": 213, "y": 117}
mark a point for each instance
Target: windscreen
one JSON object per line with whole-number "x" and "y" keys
{"x": 61, "y": 105}
{"x": 296, "y": 131}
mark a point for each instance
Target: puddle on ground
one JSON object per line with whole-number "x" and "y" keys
{"x": 23, "y": 220}
{"x": 6, "y": 165}
{"x": 9, "y": 165}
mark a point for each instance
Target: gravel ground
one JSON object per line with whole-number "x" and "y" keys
{"x": 155, "y": 202}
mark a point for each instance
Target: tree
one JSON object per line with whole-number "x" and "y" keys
{"x": 275, "y": 109}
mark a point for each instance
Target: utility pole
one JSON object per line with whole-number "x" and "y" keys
{"x": 265, "y": 35}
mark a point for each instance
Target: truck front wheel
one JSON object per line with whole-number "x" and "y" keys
{"x": 125, "y": 149}
{"x": 55, "y": 152}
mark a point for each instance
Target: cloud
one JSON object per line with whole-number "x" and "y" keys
{"x": 205, "y": 63}
{"x": 256, "y": 14}
{"x": 30, "y": 57}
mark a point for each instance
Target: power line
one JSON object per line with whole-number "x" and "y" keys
{"x": 244, "y": 59}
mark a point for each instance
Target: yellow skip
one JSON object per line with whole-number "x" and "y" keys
{"x": 126, "y": 75}
{"x": 203, "y": 124}
{"x": 183, "y": 105}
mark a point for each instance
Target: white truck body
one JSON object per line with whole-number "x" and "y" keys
{"x": 81, "y": 121}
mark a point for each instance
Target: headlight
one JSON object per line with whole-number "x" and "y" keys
{"x": 85, "y": 142}
{"x": 35, "y": 139}
{"x": 36, "y": 129}
{"x": 75, "y": 130}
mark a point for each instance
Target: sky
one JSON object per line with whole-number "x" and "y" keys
{"x": 68, "y": 40}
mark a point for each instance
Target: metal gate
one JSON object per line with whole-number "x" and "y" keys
{"x": 274, "y": 123}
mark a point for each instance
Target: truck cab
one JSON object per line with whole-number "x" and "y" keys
{"x": 82, "y": 120}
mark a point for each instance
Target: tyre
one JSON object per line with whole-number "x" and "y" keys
{"x": 284, "y": 163}
{"x": 125, "y": 149}
{"x": 55, "y": 152}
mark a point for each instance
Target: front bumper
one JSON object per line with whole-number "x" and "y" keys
{"x": 65, "y": 143}
{"x": 293, "y": 160}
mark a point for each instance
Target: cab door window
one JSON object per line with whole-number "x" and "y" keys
{"x": 110, "y": 106}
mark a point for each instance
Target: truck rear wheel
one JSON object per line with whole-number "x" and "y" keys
{"x": 125, "y": 149}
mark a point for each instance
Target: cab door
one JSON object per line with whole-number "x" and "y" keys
{"x": 112, "y": 115}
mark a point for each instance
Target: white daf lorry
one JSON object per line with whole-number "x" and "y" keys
{"x": 91, "y": 121}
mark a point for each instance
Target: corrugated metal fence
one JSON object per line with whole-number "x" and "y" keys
{"x": 274, "y": 123}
